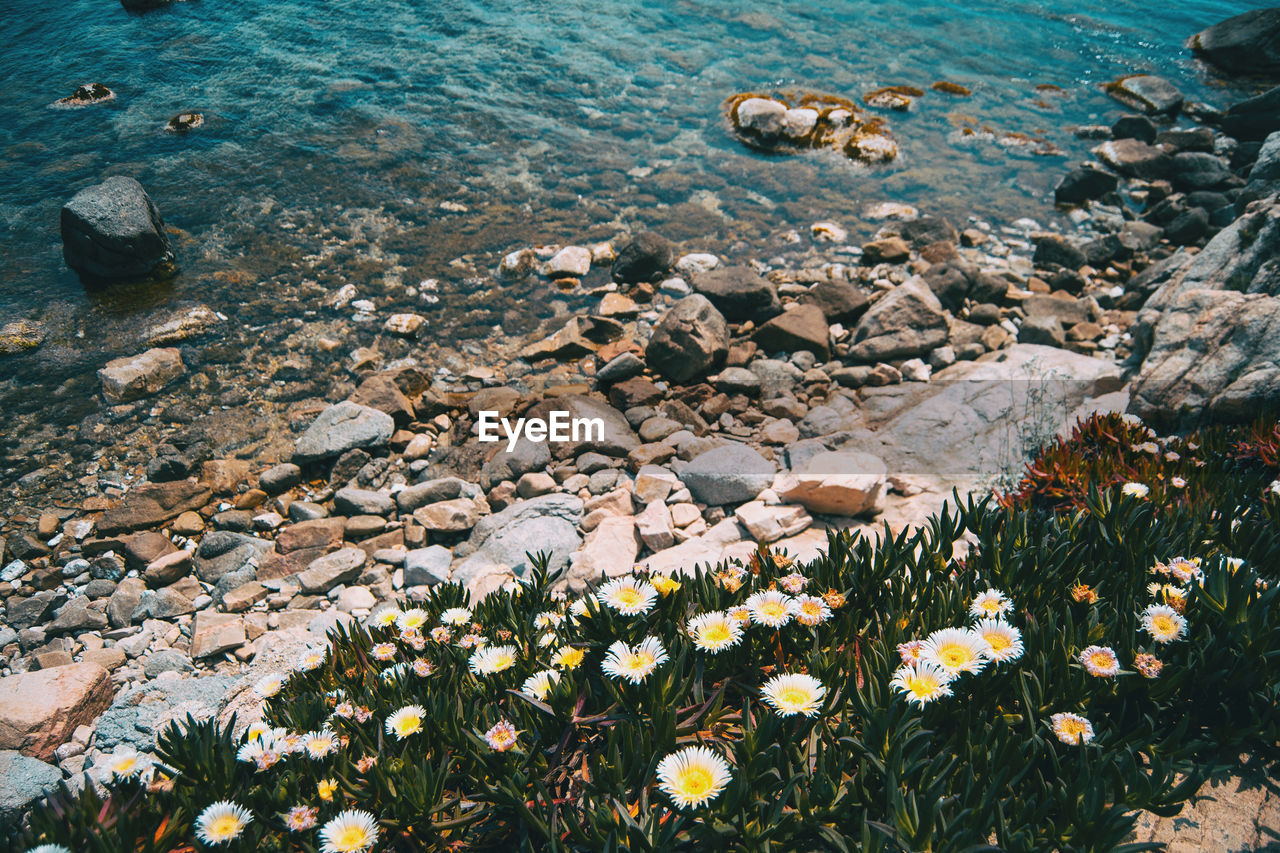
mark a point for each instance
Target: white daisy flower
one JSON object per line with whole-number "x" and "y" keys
{"x": 770, "y": 608}
{"x": 693, "y": 776}
{"x": 921, "y": 682}
{"x": 222, "y": 822}
{"x": 493, "y": 659}
{"x": 990, "y": 604}
{"x": 955, "y": 650}
{"x": 628, "y": 596}
{"x": 794, "y": 693}
{"x": 455, "y": 616}
{"x": 1163, "y": 623}
{"x": 351, "y": 831}
{"x": 1004, "y": 642}
{"x": 406, "y": 721}
{"x": 715, "y": 632}
{"x": 634, "y": 664}
{"x": 539, "y": 684}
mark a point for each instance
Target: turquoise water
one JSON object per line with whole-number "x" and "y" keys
{"x": 335, "y": 130}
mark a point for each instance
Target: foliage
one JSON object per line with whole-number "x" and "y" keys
{"x": 1070, "y": 551}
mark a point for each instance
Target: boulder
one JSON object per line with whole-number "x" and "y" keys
{"x": 645, "y": 257}
{"x": 887, "y": 250}
{"x": 617, "y": 438}
{"x": 739, "y": 293}
{"x": 324, "y": 573}
{"x": 1135, "y": 158}
{"x": 908, "y": 321}
{"x": 134, "y": 377}
{"x": 692, "y": 338}
{"x": 840, "y": 301}
{"x": 112, "y": 231}
{"x": 730, "y": 474}
{"x": 427, "y": 566}
{"x": 1248, "y": 43}
{"x": 40, "y": 710}
{"x": 802, "y": 328}
{"x": 341, "y": 427}
{"x": 26, "y": 780}
{"x": 1253, "y": 118}
{"x": 152, "y": 504}
{"x": 1056, "y": 250}
{"x": 770, "y": 522}
{"x": 572, "y": 261}
{"x": 223, "y": 552}
{"x": 434, "y": 491}
{"x": 1215, "y": 355}
{"x": 214, "y": 633}
{"x": 1147, "y": 93}
{"x": 1135, "y": 127}
{"x": 499, "y": 544}
{"x": 511, "y": 464}
{"x": 925, "y": 230}
{"x": 610, "y": 550}
{"x": 451, "y": 516}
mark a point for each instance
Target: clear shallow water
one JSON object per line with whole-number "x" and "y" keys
{"x": 335, "y": 130}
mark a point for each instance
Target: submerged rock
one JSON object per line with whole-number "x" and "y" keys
{"x": 112, "y": 231}
{"x": 1148, "y": 93}
{"x": 645, "y": 257}
{"x": 772, "y": 123}
{"x": 87, "y": 94}
{"x": 20, "y": 336}
{"x": 342, "y": 427}
{"x": 183, "y": 122}
{"x": 137, "y": 376}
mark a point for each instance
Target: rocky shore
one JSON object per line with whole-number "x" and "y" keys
{"x": 831, "y": 385}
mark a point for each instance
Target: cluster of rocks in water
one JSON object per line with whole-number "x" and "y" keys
{"x": 742, "y": 404}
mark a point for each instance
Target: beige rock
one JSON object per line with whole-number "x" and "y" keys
{"x": 224, "y": 475}
{"x": 133, "y": 377}
{"x": 214, "y": 633}
{"x": 244, "y": 596}
{"x": 770, "y": 523}
{"x": 610, "y": 551}
{"x": 654, "y": 483}
{"x": 452, "y": 516}
{"x": 843, "y": 482}
{"x": 405, "y": 325}
{"x": 419, "y": 447}
{"x": 39, "y": 711}
{"x": 654, "y": 526}
{"x": 108, "y": 659}
{"x": 682, "y": 515}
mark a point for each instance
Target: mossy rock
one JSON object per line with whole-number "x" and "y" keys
{"x": 20, "y": 336}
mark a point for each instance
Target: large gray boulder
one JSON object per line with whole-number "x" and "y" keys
{"x": 25, "y": 780}
{"x": 112, "y": 231}
{"x": 1248, "y": 43}
{"x": 1215, "y": 355}
{"x": 730, "y": 474}
{"x": 499, "y": 543}
{"x": 341, "y": 427}
{"x": 909, "y": 321}
{"x": 691, "y": 339}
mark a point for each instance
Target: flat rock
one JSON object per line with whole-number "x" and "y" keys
{"x": 617, "y": 439}
{"x": 451, "y": 516}
{"x": 610, "y": 550}
{"x": 214, "y": 633}
{"x": 1135, "y": 158}
{"x": 1147, "y": 93}
{"x": 499, "y": 543}
{"x": 739, "y": 293}
{"x": 427, "y": 566}
{"x": 137, "y": 376}
{"x": 1248, "y": 43}
{"x": 40, "y": 710}
{"x": 341, "y": 427}
{"x": 771, "y": 522}
{"x": 803, "y": 327}
{"x": 152, "y": 504}
{"x": 841, "y": 482}
{"x": 324, "y": 573}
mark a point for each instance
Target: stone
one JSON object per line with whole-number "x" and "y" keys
{"x": 215, "y": 633}
{"x": 1135, "y": 127}
{"x": 1135, "y": 158}
{"x": 1215, "y": 355}
{"x": 842, "y": 482}
{"x": 112, "y": 231}
{"x": 75, "y": 617}
{"x": 737, "y": 380}
{"x": 696, "y": 262}
{"x": 781, "y": 431}
{"x": 418, "y": 495}
{"x": 108, "y": 659}
{"x": 1042, "y": 330}
{"x": 739, "y": 293}
{"x": 1246, "y": 44}
{"x": 906, "y": 322}
{"x": 20, "y": 336}
{"x": 654, "y": 483}
{"x": 280, "y": 478}
{"x": 654, "y": 526}
{"x": 618, "y": 439}
{"x": 351, "y": 501}
{"x": 1084, "y": 183}
{"x": 1147, "y": 93}
{"x": 731, "y": 474}
{"x": 244, "y": 596}
{"x": 169, "y": 603}
{"x": 380, "y": 391}
{"x": 609, "y": 551}
{"x": 839, "y": 301}
{"x": 324, "y": 573}
{"x": 499, "y": 542}
{"x": 886, "y": 250}
{"x": 645, "y": 257}
{"x": 578, "y": 337}
{"x": 571, "y": 261}
{"x": 634, "y": 392}
{"x": 535, "y": 483}
{"x": 924, "y": 230}
{"x": 1199, "y": 170}
{"x": 134, "y": 377}
{"x": 691, "y": 339}
{"x": 39, "y": 711}
{"x": 451, "y": 516}
{"x": 355, "y": 598}
{"x": 623, "y": 366}
{"x": 341, "y": 427}
{"x": 427, "y": 566}
{"x": 1188, "y": 227}
{"x": 510, "y": 464}
{"x": 803, "y": 327}
{"x": 1056, "y": 250}
{"x": 167, "y": 660}
{"x": 124, "y": 601}
{"x": 769, "y": 523}
{"x": 26, "y": 780}
{"x": 617, "y": 306}
{"x": 223, "y": 552}
{"x": 1253, "y": 118}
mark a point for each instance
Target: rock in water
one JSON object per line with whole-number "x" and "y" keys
{"x": 1082, "y": 184}
{"x": 137, "y": 376}
{"x": 183, "y": 122}
{"x": 144, "y": 5}
{"x": 342, "y": 427}
{"x": 1254, "y": 118}
{"x": 690, "y": 339}
{"x": 1249, "y": 43}
{"x": 112, "y": 231}
{"x": 645, "y": 257}
{"x": 1147, "y": 93}
{"x": 87, "y": 94}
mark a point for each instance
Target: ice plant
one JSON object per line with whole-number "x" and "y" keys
{"x": 386, "y": 617}
{"x": 990, "y": 604}
{"x": 956, "y": 650}
{"x": 49, "y": 848}
{"x": 320, "y": 743}
{"x": 693, "y": 776}
{"x": 794, "y": 693}
{"x": 921, "y": 683}
{"x": 501, "y": 737}
{"x": 1004, "y": 642}
{"x": 352, "y": 831}
{"x": 1071, "y": 728}
{"x": 222, "y": 822}
{"x": 810, "y": 610}
{"x": 714, "y": 632}
{"x": 126, "y": 763}
{"x": 310, "y": 659}
{"x": 1148, "y": 665}
{"x": 455, "y": 616}
{"x": 301, "y": 818}
{"x": 1084, "y": 594}
{"x": 771, "y": 608}
{"x": 383, "y": 651}
{"x": 1100, "y": 661}
{"x": 567, "y": 658}
{"x": 1135, "y": 490}
{"x": 325, "y": 789}
{"x": 1163, "y": 623}
{"x": 268, "y": 686}
{"x": 540, "y": 683}
{"x": 406, "y": 721}
{"x": 492, "y": 659}
{"x": 634, "y": 664}
{"x": 664, "y": 585}
{"x": 628, "y": 596}
{"x": 910, "y": 651}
